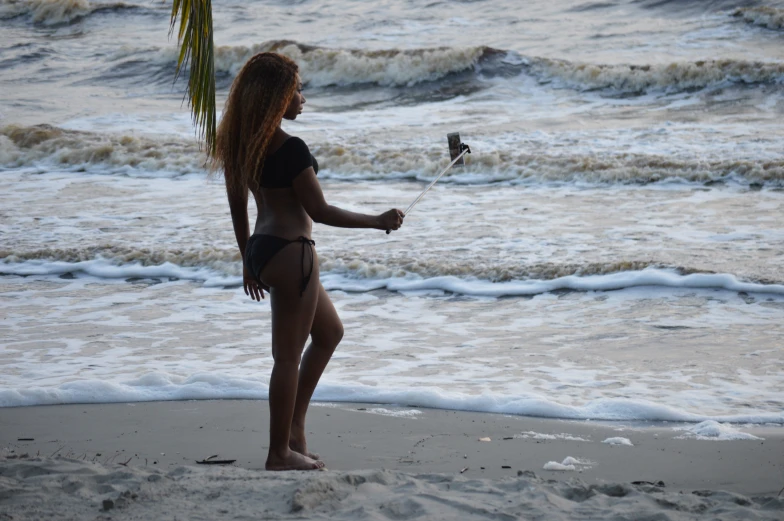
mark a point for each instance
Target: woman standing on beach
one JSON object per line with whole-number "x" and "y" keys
{"x": 257, "y": 156}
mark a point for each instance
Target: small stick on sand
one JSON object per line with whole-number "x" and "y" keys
{"x": 126, "y": 463}
{"x": 58, "y": 450}
{"x": 211, "y": 461}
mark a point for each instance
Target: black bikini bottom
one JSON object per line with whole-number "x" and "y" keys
{"x": 261, "y": 248}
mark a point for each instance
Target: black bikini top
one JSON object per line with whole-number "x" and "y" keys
{"x": 287, "y": 162}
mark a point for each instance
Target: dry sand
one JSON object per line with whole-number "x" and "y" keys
{"x": 427, "y": 464}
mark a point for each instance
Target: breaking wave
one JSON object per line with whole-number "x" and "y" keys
{"x": 320, "y": 66}
{"x": 326, "y": 67}
{"x": 46, "y": 147}
{"x": 514, "y": 165}
{"x": 216, "y": 267}
{"x": 56, "y": 12}
{"x": 57, "y": 261}
{"x": 670, "y": 78}
{"x": 768, "y": 17}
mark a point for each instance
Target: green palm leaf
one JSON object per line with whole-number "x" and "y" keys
{"x": 196, "y": 48}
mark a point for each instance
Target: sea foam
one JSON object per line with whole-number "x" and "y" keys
{"x": 105, "y": 269}
{"x": 609, "y": 282}
{"x": 713, "y": 430}
{"x": 211, "y": 386}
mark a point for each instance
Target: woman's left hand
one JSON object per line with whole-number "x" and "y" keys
{"x": 252, "y": 287}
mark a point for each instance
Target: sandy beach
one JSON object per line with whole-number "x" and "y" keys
{"x": 384, "y": 463}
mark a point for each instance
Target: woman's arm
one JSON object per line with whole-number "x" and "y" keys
{"x": 309, "y": 193}
{"x": 238, "y": 205}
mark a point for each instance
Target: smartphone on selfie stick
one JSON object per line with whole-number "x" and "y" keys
{"x": 457, "y": 150}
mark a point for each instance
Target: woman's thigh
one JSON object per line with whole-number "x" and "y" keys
{"x": 292, "y": 309}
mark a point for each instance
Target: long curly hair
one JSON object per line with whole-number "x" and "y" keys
{"x": 258, "y": 99}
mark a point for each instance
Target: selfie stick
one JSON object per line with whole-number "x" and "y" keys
{"x": 465, "y": 149}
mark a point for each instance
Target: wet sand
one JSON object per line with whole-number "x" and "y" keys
{"x": 349, "y": 436}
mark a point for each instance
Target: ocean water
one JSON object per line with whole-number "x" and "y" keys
{"x": 612, "y": 250}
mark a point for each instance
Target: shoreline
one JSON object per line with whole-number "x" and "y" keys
{"x": 353, "y": 436}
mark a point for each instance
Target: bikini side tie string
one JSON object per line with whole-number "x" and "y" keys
{"x": 306, "y": 279}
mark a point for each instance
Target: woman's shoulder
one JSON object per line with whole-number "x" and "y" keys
{"x": 292, "y": 145}
{"x": 295, "y": 142}
{"x": 289, "y": 143}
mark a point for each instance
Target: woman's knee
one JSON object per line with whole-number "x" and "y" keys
{"x": 286, "y": 355}
{"x": 338, "y": 333}
{"x": 329, "y": 337}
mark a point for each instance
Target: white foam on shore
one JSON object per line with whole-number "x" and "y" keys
{"x": 619, "y": 441}
{"x": 541, "y": 436}
{"x": 609, "y": 282}
{"x": 105, "y": 269}
{"x": 159, "y": 386}
{"x": 568, "y": 464}
{"x": 395, "y": 413}
{"x": 554, "y": 465}
{"x": 713, "y": 430}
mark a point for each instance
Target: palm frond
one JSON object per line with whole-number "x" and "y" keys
{"x": 196, "y": 49}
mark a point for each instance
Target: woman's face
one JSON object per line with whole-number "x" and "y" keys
{"x": 295, "y": 107}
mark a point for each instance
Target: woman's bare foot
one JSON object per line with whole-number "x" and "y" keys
{"x": 298, "y": 442}
{"x": 302, "y": 448}
{"x": 291, "y": 461}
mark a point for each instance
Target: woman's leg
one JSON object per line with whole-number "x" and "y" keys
{"x": 325, "y": 333}
{"x": 292, "y": 319}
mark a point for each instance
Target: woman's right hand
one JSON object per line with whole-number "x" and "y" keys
{"x": 391, "y": 219}
{"x": 252, "y": 287}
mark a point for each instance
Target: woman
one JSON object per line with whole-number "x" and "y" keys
{"x": 257, "y": 156}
